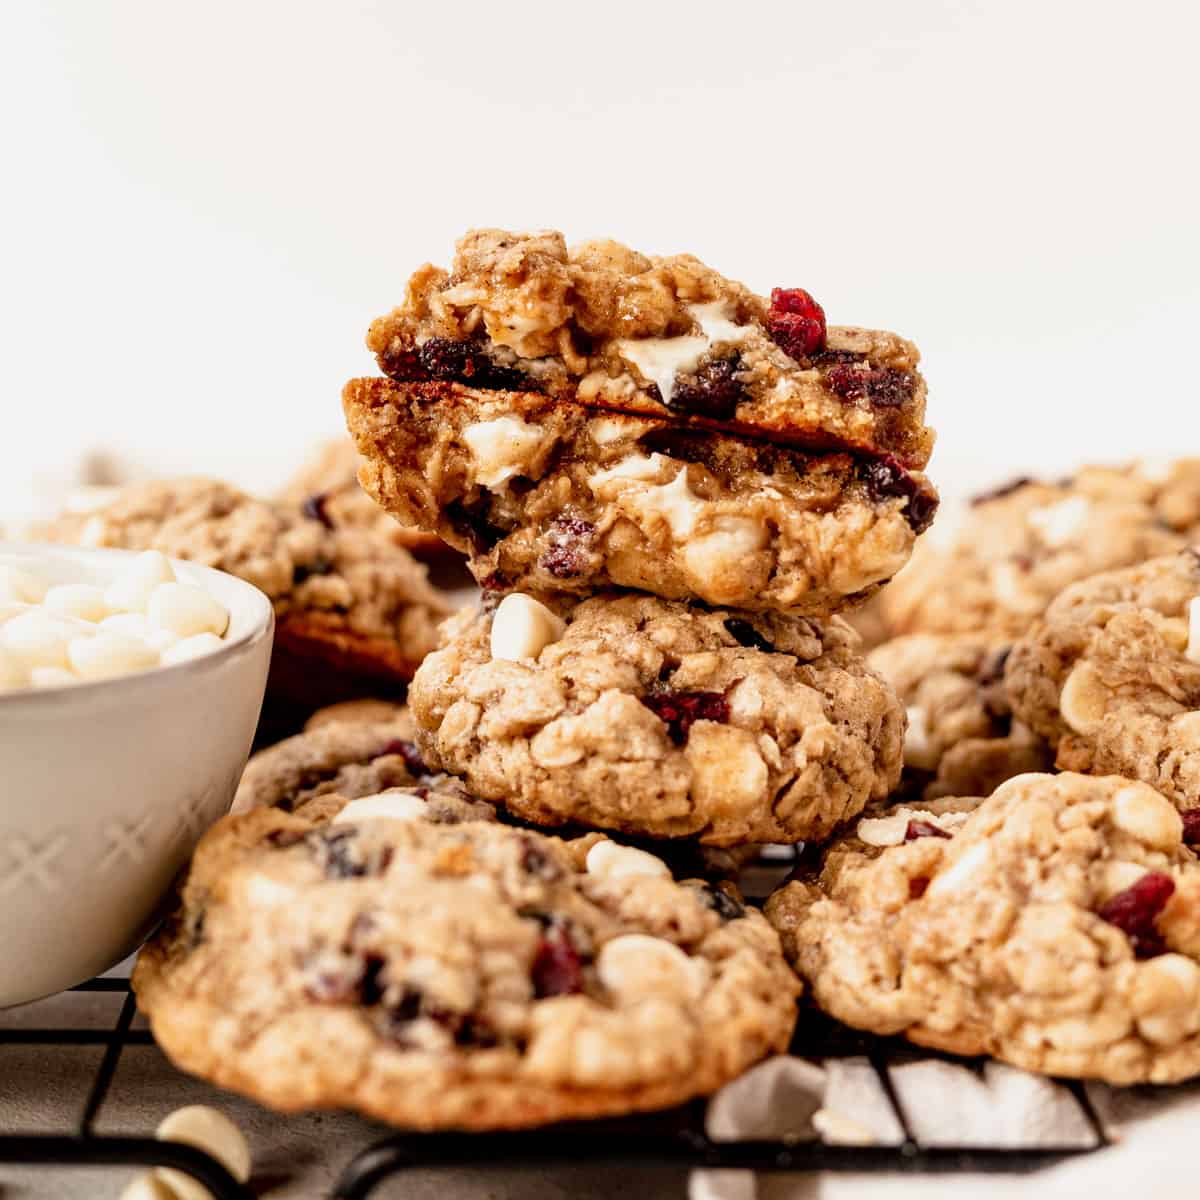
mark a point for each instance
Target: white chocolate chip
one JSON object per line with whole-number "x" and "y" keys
{"x": 674, "y": 502}
{"x": 1165, "y": 999}
{"x": 607, "y": 860}
{"x": 502, "y": 447}
{"x": 148, "y": 1186}
{"x": 1011, "y": 585}
{"x": 1185, "y": 729}
{"x": 208, "y": 1130}
{"x": 522, "y": 628}
{"x": 726, "y": 548}
{"x": 637, "y": 966}
{"x": 186, "y": 649}
{"x": 130, "y": 590}
{"x": 79, "y": 600}
{"x": 636, "y": 467}
{"x": 107, "y": 654}
{"x": 135, "y": 625}
{"x": 963, "y": 873}
{"x": 886, "y": 831}
{"x": 12, "y": 608}
{"x": 1141, "y": 812}
{"x": 51, "y": 677}
{"x": 918, "y": 751}
{"x": 1058, "y": 524}
{"x": 40, "y": 639}
{"x": 1154, "y": 469}
{"x": 1117, "y": 875}
{"x": 716, "y": 321}
{"x": 659, "y": 360}
{"x": 1083, "y": 697}
{"x": 387, "y": 806}
{"x": 21, "y": 586}
{"x": 185, "y": 610}
{"x": 606, "y": 430}
{"x": 1192, "y": 653}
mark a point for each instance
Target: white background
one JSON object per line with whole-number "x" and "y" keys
{"x": 203, "y": 204}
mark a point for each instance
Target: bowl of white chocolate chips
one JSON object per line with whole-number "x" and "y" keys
{"x": 130, "y": 687}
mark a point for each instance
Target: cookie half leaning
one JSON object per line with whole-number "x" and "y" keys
{"x": 1056, "y": 927}
{"x": 1111, "y": 675}
{"x": 659, "y": 718}
{"x": 465, "y": 976}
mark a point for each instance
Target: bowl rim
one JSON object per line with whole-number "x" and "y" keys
{"x": 259, "y": 612}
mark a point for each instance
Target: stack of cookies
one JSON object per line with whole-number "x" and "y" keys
{"x": 666, "y": 486}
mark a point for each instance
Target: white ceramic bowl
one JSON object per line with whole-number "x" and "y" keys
{"x": 105, "y": 787}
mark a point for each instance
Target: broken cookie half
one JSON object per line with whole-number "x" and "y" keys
{"x": 576, "y": 420}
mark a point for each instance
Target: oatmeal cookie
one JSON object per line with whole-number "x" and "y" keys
{"x": 1057, "y": 928}
{"x": 465, "y": 976}
{"x": 1111, "y": 676}
{"x": 346, "y": 758}
{"x": 354, "y": 612}
{"x": 659, "y": 719}
{"x": 662, "y": 337}
{"x": 1021, "y": 544}
{"x": 545, "y": 494}
{"x": 961, "y": 738}
{"x": 326, "y": 488}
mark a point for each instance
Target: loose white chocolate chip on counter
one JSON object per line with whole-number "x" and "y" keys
{"x": 65, "y": 633}
{"x": 207, "y": 1130}
{"x": 522, "y": 628}
{"x": 607, "y": 860}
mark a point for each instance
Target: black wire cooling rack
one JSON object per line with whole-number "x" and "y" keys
{"x": 673, "y": 1139}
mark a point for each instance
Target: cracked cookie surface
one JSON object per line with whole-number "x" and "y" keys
{"x": 548, "y": 495}
{"x": 961, "y": 738}
{"x": 660, "y": 719}
{"x": 1019, "y": 546}
{"x": 464, "y": 976}
{"x": 1055, "y": 927}
{"x": 1111, "y": 675}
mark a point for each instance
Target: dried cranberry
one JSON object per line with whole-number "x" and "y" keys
{"x": 407, "y": 751}
{"x": 713, "y": 391}
{"x": 472, "y": 521}
{"x": 467, "y": 362}
{"x": 884, "y": 387}
{"x": 1005, "y": 489}
{"x": 885, "y": 477}
{"x": 920, "y": 829}
{"x": 569, "y": 541}
{"x": 315, "y": 509}
{"x": 917, "y": 887}
{"x": 746, "y": 635}
{"x": 339, "y": 858}
{"x": 796, "y": 322}
{"x": 727, "y": 907}
{"x": 535, "y": 861}
{"x": 1191, "y": 827}
{"x": 679, "y": 711}
{"x": 557, "y": 968}
{"x": 1135, "y": 910}
{"x": 302, "y": 571}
